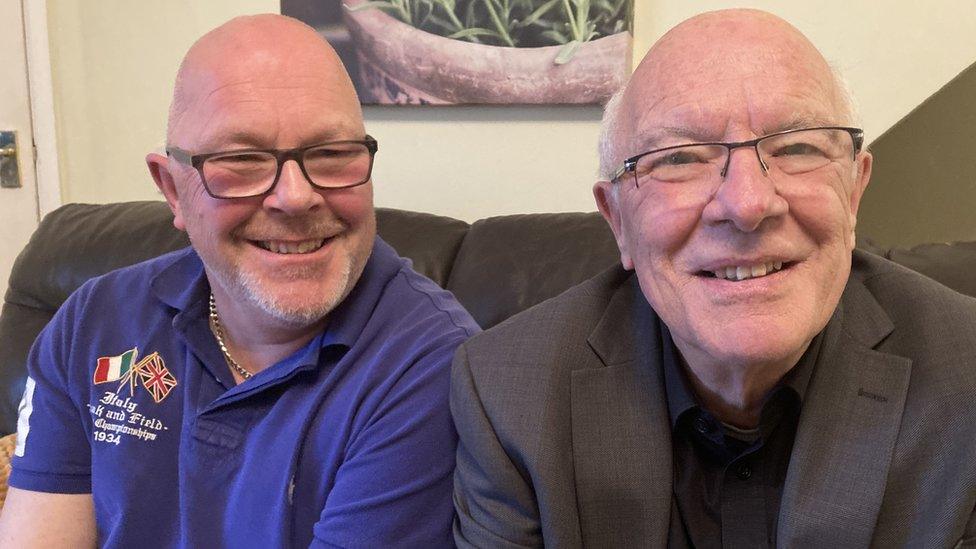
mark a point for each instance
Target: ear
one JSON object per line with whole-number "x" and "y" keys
{"x": 159, "y": 169}
{"x": 606, "y": 202}
{"x": 861, "y": 180}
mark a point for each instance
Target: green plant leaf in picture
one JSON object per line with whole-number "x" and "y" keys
{"x": 395, "y": 9}
{"x": 444, "y": 27}
{"x": 378, "y": 4}
{"x": 567, "y": 52}
{"x": 556, "y": 36}
{"x": 453, "y": 23}
{"x": 539, "y": 12}
{"x": 513, "y": 23}
{"x": 468, "y": 33}
{"x": 499, "y": 26}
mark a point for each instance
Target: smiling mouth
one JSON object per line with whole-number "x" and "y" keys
{"x": 290, "y": 247}
{"x": 738, "y": 273}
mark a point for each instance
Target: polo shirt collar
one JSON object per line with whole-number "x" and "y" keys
{"x": 182, "y": 283}
{"x": 348, "y": 320}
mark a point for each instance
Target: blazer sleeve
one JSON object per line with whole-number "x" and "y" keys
{"x": 494, "y": 501}
{"x": 969, "y": 536}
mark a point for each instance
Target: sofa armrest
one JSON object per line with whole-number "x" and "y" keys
{"x": 7, "y": 445}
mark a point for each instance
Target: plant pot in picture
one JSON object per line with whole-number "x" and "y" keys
{"x": 400, "y": 63}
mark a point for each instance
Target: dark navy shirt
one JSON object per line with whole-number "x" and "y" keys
{"x": 728, "y": 482}
{"x": 348, "y": 442}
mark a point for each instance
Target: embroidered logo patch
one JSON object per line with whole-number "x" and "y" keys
{"x": 151, "y": 371}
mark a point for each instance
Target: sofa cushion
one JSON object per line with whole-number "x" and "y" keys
{"x": 79, "y": 241}
{"x": 509, "y": 263}
{"x": 952, "y": 264}
{"x": 431, "y": 242}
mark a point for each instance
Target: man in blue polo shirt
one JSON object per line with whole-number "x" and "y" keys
{"x": 284, "y": 381}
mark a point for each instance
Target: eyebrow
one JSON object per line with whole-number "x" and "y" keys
{"x": 238, "y": 139}
{"x": 652, "y": 138}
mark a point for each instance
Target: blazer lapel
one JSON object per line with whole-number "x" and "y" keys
{"x": 846, "y": 436}
{"x": 621, "y": 434}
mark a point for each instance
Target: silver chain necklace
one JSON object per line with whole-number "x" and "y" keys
{"x": 218, "y": 333}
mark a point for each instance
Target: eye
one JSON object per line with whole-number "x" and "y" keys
{"x": 240, "y": 159}
{"x": 678, "y": 157}
{"x": 322, "y": 153}
{"x": 798, "y": 149}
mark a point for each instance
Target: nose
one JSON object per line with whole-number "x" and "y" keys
{"x": 746, "y": 195}
{"x": 293, "y": 193}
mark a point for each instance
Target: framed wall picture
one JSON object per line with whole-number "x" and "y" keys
{"x": 441, "y": 52}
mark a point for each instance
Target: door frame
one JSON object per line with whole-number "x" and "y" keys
{"x": 37, "y": 47}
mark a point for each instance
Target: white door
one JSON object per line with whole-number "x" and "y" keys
{"x": 18, "y": 206}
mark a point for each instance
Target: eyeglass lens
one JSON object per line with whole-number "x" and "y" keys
{"x": 251, "y": 173}
{"x": 792, "y": 153}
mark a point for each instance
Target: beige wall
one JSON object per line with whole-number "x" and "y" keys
{"x": 18, "y": 206}
{"x": 113, "y": 63}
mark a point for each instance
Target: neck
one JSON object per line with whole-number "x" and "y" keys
{"x": 734, "y": 393}
{"x": 256, "y": 341}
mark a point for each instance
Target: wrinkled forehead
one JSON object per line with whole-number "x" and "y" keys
{"x": 726, "y": 79}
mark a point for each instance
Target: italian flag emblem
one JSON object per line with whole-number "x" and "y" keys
{"x": 114, "y": 368}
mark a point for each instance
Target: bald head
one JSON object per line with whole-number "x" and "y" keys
{"x": 719, "y": 53}
{"x": 265, "y": 49}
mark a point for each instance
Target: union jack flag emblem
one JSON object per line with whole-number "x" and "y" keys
{"x": 155, "y": 377}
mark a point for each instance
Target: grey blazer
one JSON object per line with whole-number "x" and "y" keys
{"x": 565, "y": 439}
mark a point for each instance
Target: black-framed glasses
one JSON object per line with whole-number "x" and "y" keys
{"x": 244, "y": 173}
{"x": 790, "y": 152}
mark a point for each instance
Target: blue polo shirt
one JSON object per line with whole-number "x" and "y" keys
{"x": 348, "y": 442}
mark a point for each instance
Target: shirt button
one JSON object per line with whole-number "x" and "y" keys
{"x": 702, "y": 425}
{"x": 744, "y": 472}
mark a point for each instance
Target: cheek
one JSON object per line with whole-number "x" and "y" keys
{"x": 823, "y": 212}
{"x": 662, "y": 228}
{"x": 662, "y": 223}
{"x": 353, "y": 205}
{"x": 208, "y": 219}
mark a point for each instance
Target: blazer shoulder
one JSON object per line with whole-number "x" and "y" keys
{"x": 913, "y": 299}
{"x": 933, "y": 325}
{"x": 564, "y": 320}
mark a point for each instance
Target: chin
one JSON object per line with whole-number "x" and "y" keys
{"x": 299, "y": 302}
{"x": 753, "y": 345}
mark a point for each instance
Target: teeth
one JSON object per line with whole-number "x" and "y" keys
{"x": 280, "y": 247}
{"x": 743, "y": 272}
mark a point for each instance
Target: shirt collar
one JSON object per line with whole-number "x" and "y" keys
{"x": 681, "y": 396}
{"x": 182, "y": 283}
{"x": 348, "y": 320}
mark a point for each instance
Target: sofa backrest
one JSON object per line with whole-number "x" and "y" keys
{"x": 496, "y": 266}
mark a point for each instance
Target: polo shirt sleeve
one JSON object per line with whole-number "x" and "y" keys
{"x": 53, "y": 453}
{"x": 394, "y": 487}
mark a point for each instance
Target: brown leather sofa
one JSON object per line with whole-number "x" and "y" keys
{"x": 496, "y": 266}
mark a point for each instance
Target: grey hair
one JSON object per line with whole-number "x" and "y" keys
{"x": 848, "y": 102}
{"x": 609, "y": 146}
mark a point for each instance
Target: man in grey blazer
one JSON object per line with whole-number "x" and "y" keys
{"x": 744, "y": 378}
